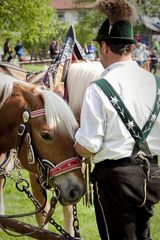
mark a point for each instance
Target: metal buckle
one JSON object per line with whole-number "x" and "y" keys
{"x": 21, "y": 129}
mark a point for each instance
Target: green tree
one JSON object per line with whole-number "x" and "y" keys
{"x": 88, "y": 25}
{"x": 34, "y": 21}
{"x": 91, "y": 20}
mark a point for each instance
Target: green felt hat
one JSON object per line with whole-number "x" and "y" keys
{"x": 121, "y": 32}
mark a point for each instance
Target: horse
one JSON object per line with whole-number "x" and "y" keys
{"x": 37, "y": 79}
{"x": 40, "y": 126}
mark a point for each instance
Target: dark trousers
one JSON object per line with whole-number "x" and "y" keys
{"x": 124, "y": 196}
{"x": 154, "y": 68}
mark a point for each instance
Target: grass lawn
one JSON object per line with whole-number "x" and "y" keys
{"x": 34, "y": 67}
{"x": 17, "y": 202}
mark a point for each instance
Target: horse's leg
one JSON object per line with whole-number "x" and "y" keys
{"x": 68, "y": 219}
{"x": 37, "y": 193}
{"x": 1, "y": 195}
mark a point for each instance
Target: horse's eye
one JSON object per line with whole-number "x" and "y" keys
{"x": 46, "y": 136}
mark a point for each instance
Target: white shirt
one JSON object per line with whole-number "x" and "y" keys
{"x": 101, "y": 129}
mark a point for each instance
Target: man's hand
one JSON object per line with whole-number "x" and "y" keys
{"x": 83, "y": 152}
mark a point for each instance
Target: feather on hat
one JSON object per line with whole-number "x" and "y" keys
{"x": 117, "y": 28}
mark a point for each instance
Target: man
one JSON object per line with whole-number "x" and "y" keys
{"x": 52, "y": 49}
{"x": 153, "y": 61}
{"x": 19, "y": 50}
{"x": 126, "y": 175}
{"x": 7, "y": 50}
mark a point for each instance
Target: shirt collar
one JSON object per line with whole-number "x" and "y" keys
{"x": 119, "y": 64}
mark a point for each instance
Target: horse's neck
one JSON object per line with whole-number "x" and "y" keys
{"x": 16, "y": 73}
{"x": 10, "y": 119}
{"x": 8, "y": 132}
{"x": 80, "y": 76}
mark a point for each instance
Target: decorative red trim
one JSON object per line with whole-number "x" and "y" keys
{"x": 66, "y": 166}
{"x": 37, "y": 113}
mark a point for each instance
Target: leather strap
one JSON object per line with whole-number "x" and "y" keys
{"x": 65, "y": 166}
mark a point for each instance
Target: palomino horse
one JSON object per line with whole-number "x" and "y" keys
{"x": 41, "y": 126}
{"x": 36, "y": 79}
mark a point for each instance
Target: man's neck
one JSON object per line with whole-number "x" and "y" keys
{"x": 118, "y": 58}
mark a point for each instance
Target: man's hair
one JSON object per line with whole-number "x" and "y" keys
{"x": 121, "y": 49}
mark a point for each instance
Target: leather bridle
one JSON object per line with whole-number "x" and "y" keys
{"x": 46, "y": 168}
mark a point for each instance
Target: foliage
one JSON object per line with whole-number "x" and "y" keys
{"x": 87, "y": 27}
{"x": 91, "y": 20}
{"x": 149, "y": 7}
{"x": 33, "y": 21}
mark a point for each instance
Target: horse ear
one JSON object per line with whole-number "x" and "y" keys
{"x": 31, "y": 96}
{"x": 16, "y": 90}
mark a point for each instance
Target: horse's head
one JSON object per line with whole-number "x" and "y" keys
{"x": 43, "y": 128}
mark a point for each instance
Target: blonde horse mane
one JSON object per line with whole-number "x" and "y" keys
{"x": 80, "y": 75}
{"x": 58, "y": 114}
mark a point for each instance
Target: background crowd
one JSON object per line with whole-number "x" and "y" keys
{"x": 143, "y": 53}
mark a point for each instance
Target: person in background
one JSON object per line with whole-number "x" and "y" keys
{"x": 153, "y": 61}
{"x": 138, "y": 54}
{"x": 156, "y": 46}
{"x": 52, "y": 49}
{"x": 91, "y": 51}
{"x": 85, "y": 48}
{"x": 7, "y": 50}
{"x": 19, "y": 50}
{"x": 126, "y": 174}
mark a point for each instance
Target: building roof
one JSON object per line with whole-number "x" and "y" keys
{"x": 69, "y": 4}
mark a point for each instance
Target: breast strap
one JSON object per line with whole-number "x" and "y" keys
{"x": 138, "y": 134}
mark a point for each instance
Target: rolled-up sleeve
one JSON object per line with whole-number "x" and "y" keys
{"x": 92, "y": 122}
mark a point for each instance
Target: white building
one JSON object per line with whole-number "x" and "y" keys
{"x": 69, "y": 11}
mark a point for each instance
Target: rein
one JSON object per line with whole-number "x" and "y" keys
{"x": 12, "y": 67}
{"x": 46, "y": 169}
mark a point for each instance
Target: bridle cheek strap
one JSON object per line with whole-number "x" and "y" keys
{"x": 65, "y": 166}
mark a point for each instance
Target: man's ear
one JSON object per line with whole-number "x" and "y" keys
{"x": 104, "y": 47}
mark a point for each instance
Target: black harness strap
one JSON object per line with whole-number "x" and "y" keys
{"x": 138, "y": 134}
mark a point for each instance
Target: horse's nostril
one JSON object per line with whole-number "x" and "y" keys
{"x": 74, "y": 194}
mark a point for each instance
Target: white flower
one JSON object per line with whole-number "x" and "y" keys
{"x": 153, "y": 118}
{"x": 114, "y": 100}
{"x": 130, "y": 124}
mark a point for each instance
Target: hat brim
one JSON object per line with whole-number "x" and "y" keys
{"x": 115, "y": 40}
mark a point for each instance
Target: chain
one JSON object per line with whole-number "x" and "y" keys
{"x": 76, "y": 223}
{"x": 24, "y": 188}
{"x": 45, "y": 214}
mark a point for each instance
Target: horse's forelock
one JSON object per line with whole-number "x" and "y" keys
{"x": 58, "y": 114}
{"x": 6, "y": 86}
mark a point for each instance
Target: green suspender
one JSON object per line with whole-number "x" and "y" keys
{"x": 138, "y": 134}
